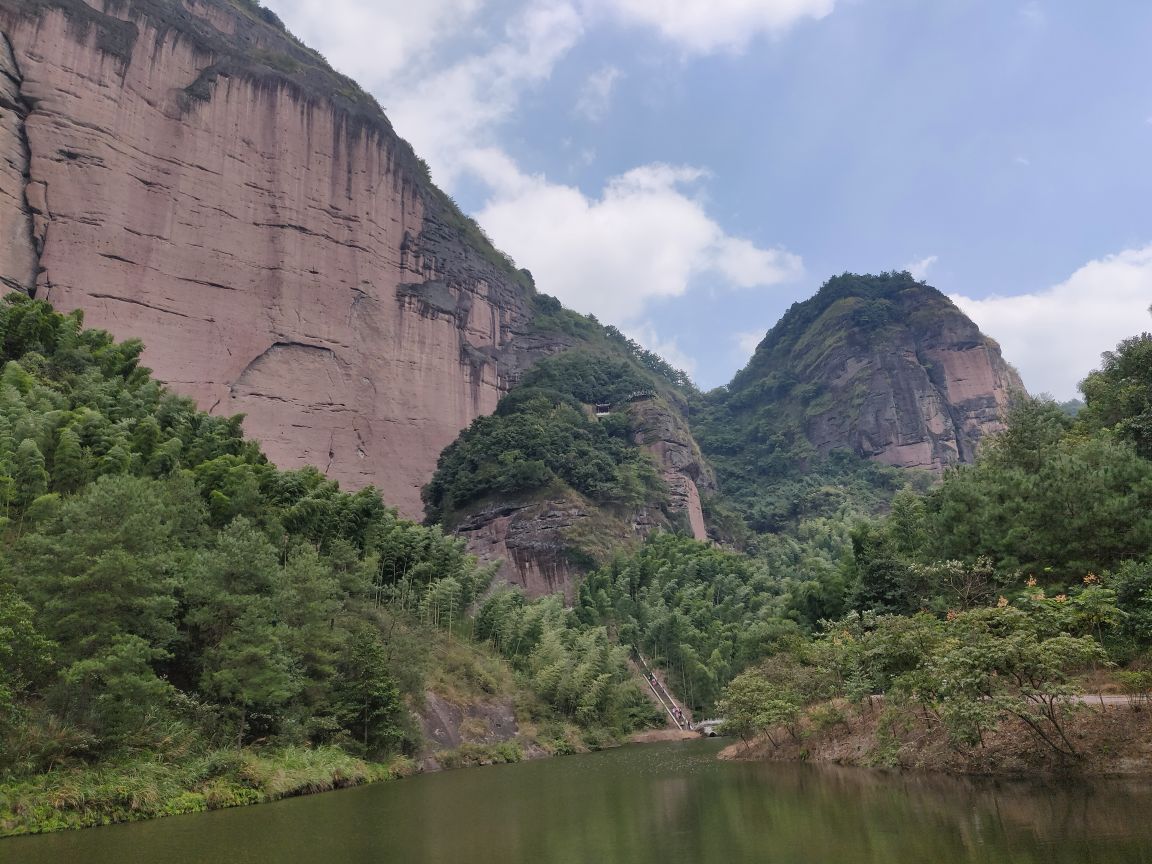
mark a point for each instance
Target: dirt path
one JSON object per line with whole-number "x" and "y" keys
{"x": 1103, "y": 699}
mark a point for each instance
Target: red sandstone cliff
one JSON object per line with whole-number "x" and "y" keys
{"x": 188, "y": 174}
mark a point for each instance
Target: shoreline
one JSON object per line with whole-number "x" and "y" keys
{"x": 142, "y": 791}
{"x": 1112, "y": 741}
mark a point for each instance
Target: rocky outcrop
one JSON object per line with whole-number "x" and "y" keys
{"x": 531, "y": 542}
{"x": 188, "y": 174}
{"x": 17, "y": 248}
{"x": 546, "y": 542}
{"x": 446, "y": 725}
{"x": 920, "y": 398}
{"x": 664, "y": 434}
{"x": 885, "y": 367}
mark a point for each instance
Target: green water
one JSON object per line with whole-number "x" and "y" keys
{"x": 658, "y": 803}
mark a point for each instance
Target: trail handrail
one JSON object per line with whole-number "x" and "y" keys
{"x": 662, "y": 695}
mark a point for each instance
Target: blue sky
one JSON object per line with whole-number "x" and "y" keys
{"x": 687, "y": 169}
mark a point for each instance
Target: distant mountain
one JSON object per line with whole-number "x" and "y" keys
{"x": 880, "y": 368}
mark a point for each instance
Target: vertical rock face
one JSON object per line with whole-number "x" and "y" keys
{"x": 17, "y": 249}
{"x": 921, "y": 393}
{"x": 531, "y": 542}
{"x": 665, "y": 435}
{"x": 188, "y": 174}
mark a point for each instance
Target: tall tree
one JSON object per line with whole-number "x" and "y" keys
{"x": 236, "y": 592}
{"x": 30, "y": 478}
{"x": 104, "y": 566}
{"x": 70, "y": 469}
{"x": 1119, "y": 393}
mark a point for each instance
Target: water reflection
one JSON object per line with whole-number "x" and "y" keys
{"x": 659, "y": 803}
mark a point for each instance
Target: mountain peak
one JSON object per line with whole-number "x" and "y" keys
{"x": 883, "y": 367}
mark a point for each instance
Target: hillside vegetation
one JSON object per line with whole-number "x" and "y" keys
{"x": 993, "y": 599}
{"x": 1043, "y": 548}
{"x": 541, "y": 435}
{"x": 178, "y": 618}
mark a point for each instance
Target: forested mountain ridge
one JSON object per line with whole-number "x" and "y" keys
{"x": 880, "y": 368}
{"x": 875, "y": 383}
{"x": 318, "y": 282}
{"x": 588, "y": 456}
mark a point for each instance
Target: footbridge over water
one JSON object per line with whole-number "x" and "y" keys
{"x": 707, "y": 728}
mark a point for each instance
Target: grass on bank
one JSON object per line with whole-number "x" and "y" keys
{"x": 147, "y": 789}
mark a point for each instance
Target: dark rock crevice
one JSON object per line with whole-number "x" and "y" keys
{"x": 18, "y": 241}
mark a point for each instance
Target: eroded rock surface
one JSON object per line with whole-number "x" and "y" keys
{"x": 195, "y": 178}
{"x": 920, "y": 397}
{"x": 17, "y": 248}
{"x": 546, "y": 543}
{"x": 664, "y": 434}
{"x": 883, "y": 366}
{"x": 531, "y": 541}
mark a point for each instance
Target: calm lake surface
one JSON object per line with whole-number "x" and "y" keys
{"x": 665, "y": 804}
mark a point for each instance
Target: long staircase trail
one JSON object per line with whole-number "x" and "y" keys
{"x": 669, "y": 704}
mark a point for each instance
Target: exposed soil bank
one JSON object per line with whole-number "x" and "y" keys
{"x": 1110, "y": 740}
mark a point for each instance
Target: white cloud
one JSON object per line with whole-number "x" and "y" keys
{"x": 596, "y": 95}
{"x": 707, "y": 26}
{"x": 1055, "y": 337}
{"x": 748, "y": 340}
{"x": 919, "y": 269}
{"x": 645, "y": 237}
{"x": 374, "y": 40}
{"x": 746, "y": 265}
{"x": 669, "y": 349}
{"x": 448, "y": 114}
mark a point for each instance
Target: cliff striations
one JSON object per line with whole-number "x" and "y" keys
{"x": 189, "y": 174}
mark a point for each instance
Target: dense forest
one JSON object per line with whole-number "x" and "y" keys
{"x": 541, "y": 435}
{"x": 990, "y": 598}
{"x": 1054, "y": 516}
{"x": 182, "y": 625}
{"x": 177, "y": 615}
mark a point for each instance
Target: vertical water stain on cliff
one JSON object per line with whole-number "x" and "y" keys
{"x": 19, "y": 249}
